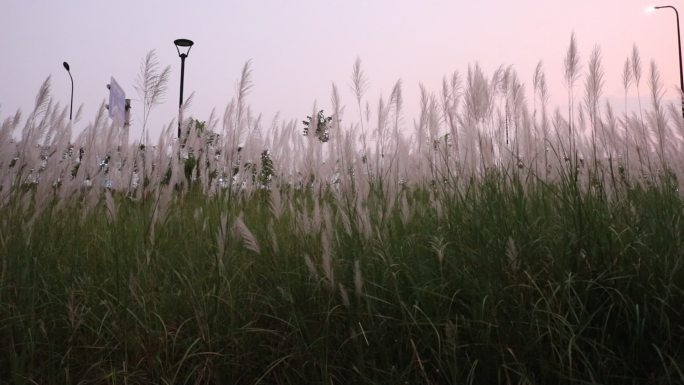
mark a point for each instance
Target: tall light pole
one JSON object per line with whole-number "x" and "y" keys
{"x": 185, "y": 43}
{"x": 71, "y": 105}
{"x": 679, "y": 43}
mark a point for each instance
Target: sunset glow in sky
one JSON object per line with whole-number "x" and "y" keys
{"x": 299, "y": 48}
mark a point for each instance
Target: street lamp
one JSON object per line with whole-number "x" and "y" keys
{"x": 679, "y": 42}
{"x": 184, "y": 43}
{"x": 71, "y": 105}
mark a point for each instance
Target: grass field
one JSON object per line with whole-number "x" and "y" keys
{"x": 496, "y": 243}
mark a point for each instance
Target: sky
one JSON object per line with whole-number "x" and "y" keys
{"x": 299, "y": 48}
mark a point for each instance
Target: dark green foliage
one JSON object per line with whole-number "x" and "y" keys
{"x": 189, "y": 166}
{"x": 499, "y": 281}
{"x": 267, "y": 170}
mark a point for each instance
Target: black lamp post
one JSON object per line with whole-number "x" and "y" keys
{"x": 71, "y": 105}
{"x": 185, "y": 43}
{"x": 679, "y": 42}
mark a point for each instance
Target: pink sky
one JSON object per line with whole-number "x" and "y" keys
{"x": 298, "y": 48}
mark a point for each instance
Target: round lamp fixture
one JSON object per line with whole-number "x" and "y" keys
{"x": 183, "y": 42}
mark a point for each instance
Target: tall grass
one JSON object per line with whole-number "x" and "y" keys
{"x": 493, "y": 244}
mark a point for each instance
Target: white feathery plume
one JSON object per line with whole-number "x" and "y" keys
{"x": 248, "y": 238}
{"x": 358, "y": 279}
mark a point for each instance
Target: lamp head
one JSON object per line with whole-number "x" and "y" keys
{"x": 653, "y": 8}
{"x": 185, "y": 43}
{"x": 66, "y": 66}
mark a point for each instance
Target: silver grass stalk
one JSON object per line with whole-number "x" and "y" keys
{"x": 242, "y": 88}
{"x": 421, "y": 135}
{"x": 636, "y": 65}
{"x": 626, "y": 83}
{"x": 657, "y": 120}
{"x": 612, "y": 143}
{"x": 274, "y": 237}
{"x": 186, "y": 124}
{"x": 512, "y": 254}
{"x": 636, "y": 72}
{"x": 151, "y": 85}
{"x": 536, "y": 81}
{"x": 451, "y": 92}
{"x": 594, "y": 82}
{"x": 30, "y": 130}
{"x": 112, "y": 208}
{"x": 477, "y": 95}
{"x": 222, "y": 236}
{"x": 626, "y": 78}
{"x": 396, "y": 105}
{"x": 248, "y": 238}
{"x": 326, "y": 258}
{"x": 276, "y": 204}
{"x": 346, "y": 223}
{"x": 359, "y": 86}
{"x": 571, "y": 75}
{"x": 344, "y": 296}
{"x": 336, "y": 129}
{"x": 358, "y": 280}
{"x": 311, "y": 267}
